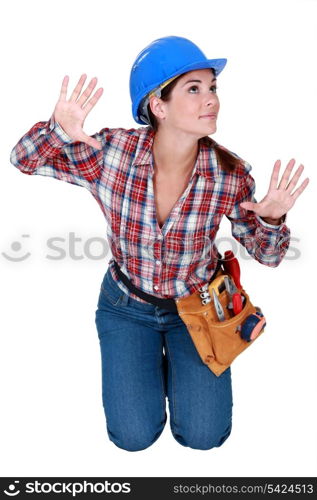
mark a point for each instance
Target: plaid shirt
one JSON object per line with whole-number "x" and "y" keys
{"x": 168, "y": 262}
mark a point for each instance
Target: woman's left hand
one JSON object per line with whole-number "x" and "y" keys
{"x": 279, "y": 199}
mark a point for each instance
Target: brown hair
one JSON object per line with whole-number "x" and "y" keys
{"x": 226, "y": 160}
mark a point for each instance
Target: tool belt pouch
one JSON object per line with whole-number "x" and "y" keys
{"x": 219, "y": 342}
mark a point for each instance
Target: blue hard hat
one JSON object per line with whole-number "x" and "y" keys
{"x": 162, "y": 60}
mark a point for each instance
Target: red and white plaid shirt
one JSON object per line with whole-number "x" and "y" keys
{"x": 168, "y": 262}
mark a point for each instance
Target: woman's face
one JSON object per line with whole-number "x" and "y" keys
{"x": 193, "y": 105}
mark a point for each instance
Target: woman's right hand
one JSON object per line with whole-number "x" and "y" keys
{"x": 71, "y": 114}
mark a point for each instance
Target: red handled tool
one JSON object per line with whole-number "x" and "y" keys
{"x": 232, "y": 267}
{"x": 235, "y": 297}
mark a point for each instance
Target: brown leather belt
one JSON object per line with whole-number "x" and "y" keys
{"x": 168, "y": 304}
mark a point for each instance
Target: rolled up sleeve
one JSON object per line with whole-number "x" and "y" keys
{"x": 47, "y": 150}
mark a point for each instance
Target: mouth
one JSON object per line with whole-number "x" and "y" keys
{"x": 210, "y": 116}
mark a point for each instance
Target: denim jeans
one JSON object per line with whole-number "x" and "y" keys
{"x": 147, "y": 355}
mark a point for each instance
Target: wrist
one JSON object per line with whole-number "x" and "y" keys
{"x": 274, "y": 222}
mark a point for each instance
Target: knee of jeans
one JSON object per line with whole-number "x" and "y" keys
{"x": 200, "y": 441}
{"x": 135, "y": 441}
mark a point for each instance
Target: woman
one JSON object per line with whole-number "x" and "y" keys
{"x": 163, "y": 189}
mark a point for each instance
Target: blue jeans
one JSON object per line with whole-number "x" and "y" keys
{"x": 148, "y": 354}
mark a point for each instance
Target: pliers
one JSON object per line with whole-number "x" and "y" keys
{"x": 218, "y": 306}
{"x": 205, "y": 291}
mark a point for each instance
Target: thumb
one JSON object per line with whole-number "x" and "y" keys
{"x": 248, "y": 205}
{"x": 91, "y": 141}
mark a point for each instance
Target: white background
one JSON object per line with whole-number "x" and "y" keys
{"x": 52, "y": 420}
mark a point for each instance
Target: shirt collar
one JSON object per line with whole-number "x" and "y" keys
{"x": 206, "y": 164}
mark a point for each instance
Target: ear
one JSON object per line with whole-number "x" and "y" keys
{"x": 157, "y": 107}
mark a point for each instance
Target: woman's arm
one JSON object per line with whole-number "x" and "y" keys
{"x": 261, "y": 227}
{"x": 265, "y": 242}
{"x": 59, "y": 147}
{"x": 46, "y": 149}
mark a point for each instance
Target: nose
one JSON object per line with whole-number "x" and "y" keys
{"x": 211, "y": 100}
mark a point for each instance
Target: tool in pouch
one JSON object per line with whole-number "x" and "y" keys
{"x": 220, "y": 317}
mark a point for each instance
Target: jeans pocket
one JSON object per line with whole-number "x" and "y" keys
{"x": 114, "y": 297}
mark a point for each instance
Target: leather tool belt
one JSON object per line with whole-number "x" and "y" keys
{"x": 217, "y": 342}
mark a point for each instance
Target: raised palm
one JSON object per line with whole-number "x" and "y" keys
{"x": 280, "y": 197}
{"x": 71, "y": 114}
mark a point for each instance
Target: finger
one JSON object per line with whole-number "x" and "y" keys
{"x": 286, "y": 175}
{"x": 63, "y": 92}
{"x": 78, "y": 87}
{"x": 301, "y": 188}
{"x": 85, "y": 95}
{"x": 295, "y": 178}
{"x": 91, "y": 103}
{"x": 274, "y": 176}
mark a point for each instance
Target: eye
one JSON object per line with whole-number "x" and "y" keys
{"x": 214, "y": 88}
{"x": 193, "y": 89}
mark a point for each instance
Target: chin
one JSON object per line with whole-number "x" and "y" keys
{"x": 208, "y": 130}
{"x": 212, "y": 128}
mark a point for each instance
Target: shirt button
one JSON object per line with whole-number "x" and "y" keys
{"x": 157, "y": 262}
{"x": 156, "y": 287}
{"x": 160, "y": 237}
